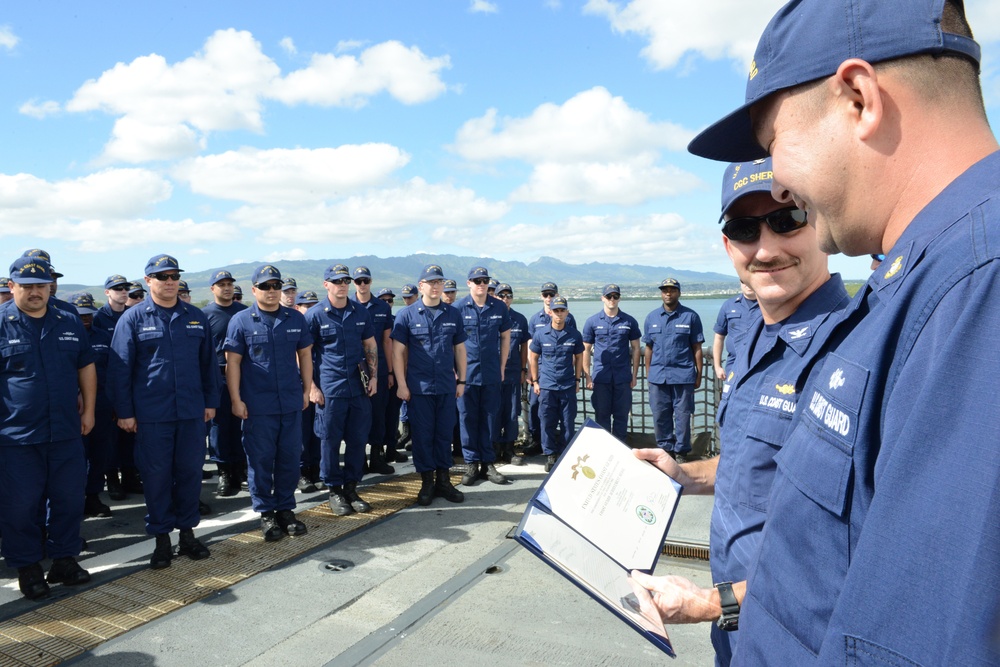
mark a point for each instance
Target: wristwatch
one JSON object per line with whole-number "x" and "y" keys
{"x": 730, "y": 619}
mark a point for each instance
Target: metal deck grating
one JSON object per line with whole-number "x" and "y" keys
{"x": 68, "y": 627}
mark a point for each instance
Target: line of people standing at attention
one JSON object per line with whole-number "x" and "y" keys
{"x": 295, "y": 391}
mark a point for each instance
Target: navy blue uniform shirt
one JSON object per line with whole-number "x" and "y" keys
{"x": 270, "y": 381}
{"x": 380, "y": 314}
{"x": 556, "y": 350}
{"x": 483, "y": 327}
{"x": 218, "y": 320}
{"x": 541, "y": 319}
{"x": 736, "y": 316}
{"x": 337, "y": 347}
{"x": 163, "y": 366}
{"x": 519, "y": 335}
{"x": 106, "y": 319}
{"x": 430, "y": 336}
{"x": 612, "y": 340}
{"x": 672, "y": 334}
{"x": 39, "y": 361}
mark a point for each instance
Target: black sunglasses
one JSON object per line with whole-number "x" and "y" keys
{"x": 548, "y": 295}
{"x": 120, "y": 288}
{"x": 879, "y": 257}
{"x": 612, "y": 297}
{"x": 163, "y": 277}
{"x": 269, "y": 286}
{"x": 747, "y": 229}
{"x": 340, "y": 281}
{"x": 480, "y": 281}
{"x": 362, "y": 281}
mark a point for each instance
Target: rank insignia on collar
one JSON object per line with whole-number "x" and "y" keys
{"x": 897, "y": 264}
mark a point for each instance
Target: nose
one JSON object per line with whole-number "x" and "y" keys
{"x": 769, "y": 244}
{"x": 780, "y": 192}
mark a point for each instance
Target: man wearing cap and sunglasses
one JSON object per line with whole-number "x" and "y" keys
{"x": 269, "y": 376}
{"x": 537, "y": 322}
{"x": 776, "y": 254}
{"x": 487, "y": 344}
{"x": 873, "y": 113}
{"x": 163, "y": 378}
{"x": 345, "y": 377}
{"x": 611, "y": 341}
{"x": 45, "y": 361}
{"x": 224, "y": 436}
{"x": 673, "y": 337}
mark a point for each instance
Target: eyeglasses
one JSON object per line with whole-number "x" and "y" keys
{"x": 747, "y": 228}
{"x": 480, "y": 281}
{"x": 164, "y": 277}
{"x": 506, "y": 295}
{"x": 434, "y": 283}
{"x": 878, "y": 258}
{"x": 362, "y": 281}
{"x": 548, "y": 295}
{"x": 612, "y": 297}
{"x": 120, "y": 288}
{"x": 269, "y": 286}
{"x": 387, "y": 299}
{"x": 340, "y": 281}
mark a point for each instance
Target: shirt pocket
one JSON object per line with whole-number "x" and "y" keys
{"x": 820, "y": 460}
{"x": 420, "y": 336}
{"x": 149, "y": 341}
{"x": 15, "y": 357}
{"x": 765, "y": 434}
{"x": 258, "y": 349}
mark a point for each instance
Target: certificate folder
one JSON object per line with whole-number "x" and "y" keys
{"x": 599, "y": 514}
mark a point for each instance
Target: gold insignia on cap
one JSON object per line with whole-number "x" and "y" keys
{"x": 897, "y": 264}
{"x": 736, "y": 171}
{"x": 753, "y": 69}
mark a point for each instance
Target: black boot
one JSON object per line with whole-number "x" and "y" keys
{"x": 470, "y": 473}
{"x": 444, "y": 489}
{"x": 228, "y": 484}
{"x": 291, "y": 525}
{"x": 315, "y": 478}
{"x": 426, "y": 493}
{"x": 377, "y": 464}
{"x": 131, "y": 481}
{"x": 305, "y": 484}
{"x": 269, "y": 527}
{"x": 188, "y": 545}
{"x": 392, "y": 455}
{"x": 491, "y": 473}
{"x": 162, "y": 553}
{"x": 351, "y": 495}
{"x": 31, "y": 581}
{"x": 67, "y": 571}
{"x": 92, "y": 506}
{"x": 338, "y": 502}
{"x": 115, "y": 490}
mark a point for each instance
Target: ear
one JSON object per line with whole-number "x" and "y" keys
{"x": 857, "y": 89}
{"x": 729, "y": 248}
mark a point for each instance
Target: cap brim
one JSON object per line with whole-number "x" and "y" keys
{"x": 85, "y": 311}
{"x": 730, "y": 139}
{"x": 32, "y": 281}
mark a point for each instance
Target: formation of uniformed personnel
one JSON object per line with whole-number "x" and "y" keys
{"x": 611, "y": 342}
{"x": 429, "y": 350}
{"x": 268, "y": 351}
{"x": 46, "y": 361}
{"x": 515, "y": 374}
{"x": 224, "y": 436}
{"x": 735, "y": 317}
{"x": 380, "y": 316}
{"x": 555, "y": 363}
{"x": 487, "y": 344}
{"x": 164, "y": 382}
{"x": 345, "y": 376}
{"x": 673, "y": 336}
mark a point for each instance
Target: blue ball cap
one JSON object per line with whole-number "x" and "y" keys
{"x": 291, "y": 284}
{"x": 385, "y": 291}
{"x": 136, "y": 287}
{"x": 362, "y": 272}
{"x": 550, "y": 287}
{"x": 39, "y": 253}
{"x": 159, "y": 263}
{"x": 478, "y": 272}
{"x": 182, "y": 286}
{"x": 431, "y": 272}
{"x": 306, "y": 298}
{"x": 237, "y": 290}
{"x": 84, "y": 302}
{"x": 809, "y": 39}
{"x": 504, "y": 287}
{"x": 559, "y": 302}
{"x": 4, "y": 287}
{"x": 450, "y": 285}
{"x": 31, "y": 271}
{"x": 493, "y": 283}
{"x": 336, "y": 272}
{"x": 116, "y": 281}
{"x": 264, "y": 273}
{"x": 611, "y": 288}
{"x": 409, "y": 290}
{"x": 221, "y": 275}
{"x": 670, "y": 282}
{"x": 742, "y": 178}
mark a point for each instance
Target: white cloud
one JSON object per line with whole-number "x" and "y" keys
{"x": 626, "y": 182}
{"x": 8, "y": 39}
{"x": 293, "y": 253}
{"x": 288, "y": 45}
{"x": 291, "y": 176}
{"x": 483, "y": 6}
{"x": 35, "y": 110}
{"x": 590, "y": 126}
{"x": 107, "y": 235}
{"x": 401, "y": 210}
{"x": 29, "y": 201}
{"x": 717, "y": 30}
{"x": 330, "y": 80}
{"x": 166, "y": 110}
{"x": 655, "y": 240}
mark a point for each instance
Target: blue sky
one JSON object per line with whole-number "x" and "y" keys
{"x": 236, "y": 131}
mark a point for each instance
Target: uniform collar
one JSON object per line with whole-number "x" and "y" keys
{"x": 797, "y": 331}
{"x": 258, "y": 314}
